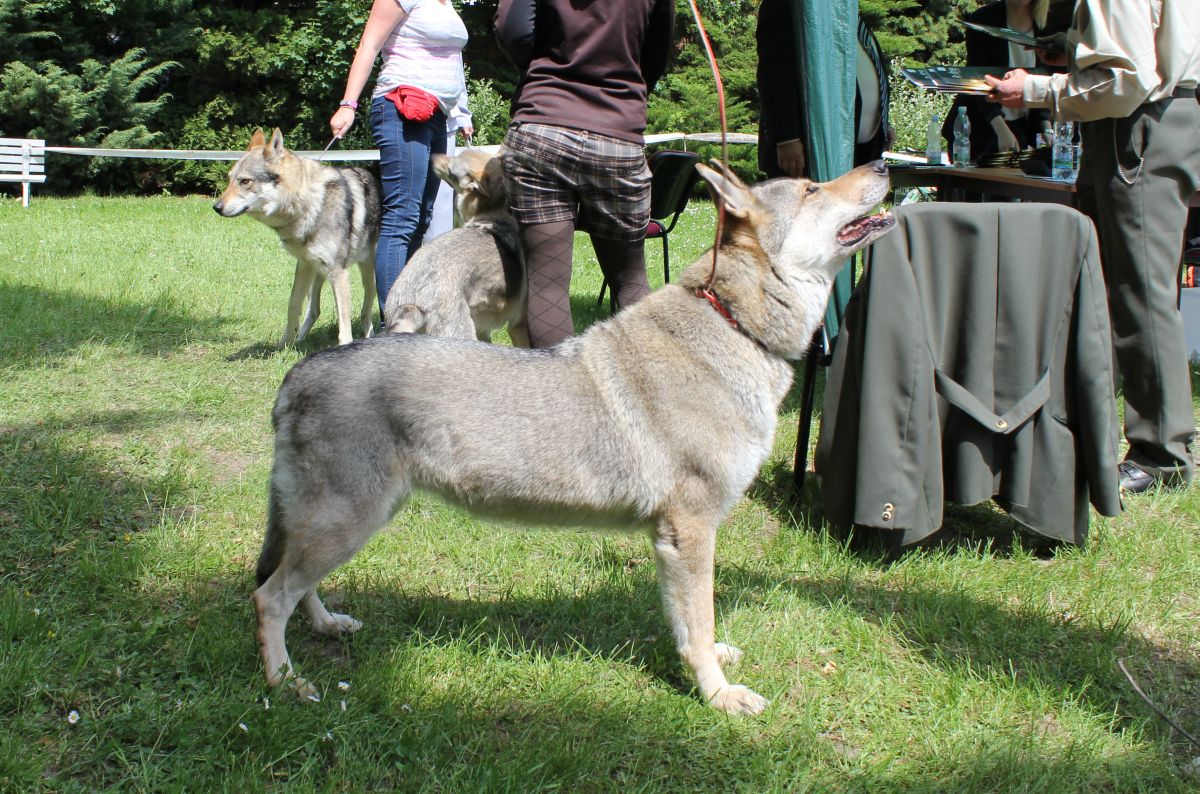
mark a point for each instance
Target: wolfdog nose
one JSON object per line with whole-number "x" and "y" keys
{"x": 879, "y": 167}
{"x": 218, "y": 207}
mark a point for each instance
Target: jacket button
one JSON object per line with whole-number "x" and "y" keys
{"x": 887, "y": 515}
{"x": 1001, "y": 424}
{"x": 889, "y": 507}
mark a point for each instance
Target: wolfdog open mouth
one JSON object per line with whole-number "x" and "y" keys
{"x": 854, "y": 232}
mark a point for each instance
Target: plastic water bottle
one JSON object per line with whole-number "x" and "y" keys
{"x": 962, "y": 138}
{"x": 1062, "y": 154}
{"x": 933, "y": 137}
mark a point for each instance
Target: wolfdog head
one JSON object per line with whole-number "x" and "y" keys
{"x": 477, "y": 180}
{"x": 784, "y": 240}
{"x": 808, "y": 225}
{"x": 258, "y": 182}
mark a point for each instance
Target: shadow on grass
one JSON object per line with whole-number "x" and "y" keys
{"x": 967, "y": 637}
{"x": 65, "y": 513}
{"x": 322, "y": 336}
{"x": 40, "y": 323}
{"x": 59, "y": 497}
{"x": 981, "y": 528}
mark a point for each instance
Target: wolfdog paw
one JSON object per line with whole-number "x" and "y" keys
{"x": 737, "y": 699}
{"x": 304, "y": 691}
{"x": 727, "y": 655}
{"x": 338, "y": 625}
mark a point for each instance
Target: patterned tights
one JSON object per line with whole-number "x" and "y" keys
{"x": 548, "y": 248}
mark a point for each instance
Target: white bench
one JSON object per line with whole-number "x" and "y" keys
{"x": 22, "y": 160}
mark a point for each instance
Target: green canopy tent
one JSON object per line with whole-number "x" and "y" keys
{"x": 827, "y": 33}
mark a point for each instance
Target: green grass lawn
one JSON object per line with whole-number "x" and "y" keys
{"x": 137, "y": 374}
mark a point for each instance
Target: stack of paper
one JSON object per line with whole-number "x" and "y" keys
{"x": 954, "y": 79}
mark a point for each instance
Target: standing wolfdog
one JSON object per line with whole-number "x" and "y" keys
{"x": 470, "y": 280}
{"x": 657, "y": 419}
{"x": 328, "y": 218}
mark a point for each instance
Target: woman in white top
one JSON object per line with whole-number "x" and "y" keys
{"x": 421, "y": 42}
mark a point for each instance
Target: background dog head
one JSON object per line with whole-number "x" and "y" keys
{"x": 257, "y": 181}
{"x": 477, "y": 179}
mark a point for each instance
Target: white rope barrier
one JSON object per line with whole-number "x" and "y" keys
{"x": 349, "y": 155}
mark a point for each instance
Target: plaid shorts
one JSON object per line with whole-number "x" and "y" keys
{"x": 599, "y": 183}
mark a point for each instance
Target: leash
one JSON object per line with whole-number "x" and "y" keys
{"x": 712, "y": 62}
{"x": 324, "y": 151}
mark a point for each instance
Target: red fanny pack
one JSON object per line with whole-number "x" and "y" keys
{"x": 413, "y": 103}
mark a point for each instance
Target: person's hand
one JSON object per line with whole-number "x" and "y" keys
{"x": 1010, "y": 91}
{"x": 467, "y": 131}
{"x": 791, "y": 157}
{"x": 342, "y": 121}
{"x": 1005, "y": 140}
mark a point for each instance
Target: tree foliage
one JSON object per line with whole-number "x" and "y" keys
{"x": 188, "y": 74}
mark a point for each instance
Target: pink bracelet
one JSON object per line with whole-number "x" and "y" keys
{"x": 348, "y": 103}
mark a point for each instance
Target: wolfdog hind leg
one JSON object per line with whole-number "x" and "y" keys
{"x": 684, "y": 547}
{"x": 301, "y": 284}
{"x": 518, "y": 332}
{"x": 366, "y": 319}
{"x": 314, "y": 306}
{"x": 339, "y": 279}
{"x": 323, "y": 532}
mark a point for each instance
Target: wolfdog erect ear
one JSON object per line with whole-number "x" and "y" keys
{"x": 726, "y": 187}
{"x": 257, "y": 139}
{"x": 275, "y": 149}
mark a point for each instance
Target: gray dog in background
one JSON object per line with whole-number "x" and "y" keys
{"x": 326, "y": 217}
{"x": 469, "y": 281}
{"x": 656, "y": 419}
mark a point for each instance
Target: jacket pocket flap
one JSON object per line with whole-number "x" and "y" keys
{"x": 957, "y": 395}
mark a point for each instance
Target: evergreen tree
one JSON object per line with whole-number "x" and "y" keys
{"x": 193, "y": 75}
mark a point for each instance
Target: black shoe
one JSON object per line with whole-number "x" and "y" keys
{"x": 1135, "y": 479}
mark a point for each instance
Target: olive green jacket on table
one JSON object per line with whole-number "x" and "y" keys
{"x": 974, "y": 363}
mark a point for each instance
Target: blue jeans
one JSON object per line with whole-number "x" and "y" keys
{"x": 409, "y": 186}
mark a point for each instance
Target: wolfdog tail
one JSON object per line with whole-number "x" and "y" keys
{"x": 273, "y": 543}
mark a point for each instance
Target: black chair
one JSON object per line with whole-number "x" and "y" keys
{"x": 820, "y": 354}
{"x": 673, "y": 176}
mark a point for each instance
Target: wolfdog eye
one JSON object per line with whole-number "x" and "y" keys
{"x": 811, "y": 189}
{"x": 244, "y": 181}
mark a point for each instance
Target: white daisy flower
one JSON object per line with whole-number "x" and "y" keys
{"x": 73, "y": 717}
{"x": 242, "y": 725}
{"x": 344, "y": 686}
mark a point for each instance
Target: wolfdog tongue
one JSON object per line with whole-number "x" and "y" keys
{"x": 857, "y": 229}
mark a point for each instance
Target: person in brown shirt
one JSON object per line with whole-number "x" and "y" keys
{"x": 574, "y": 150}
